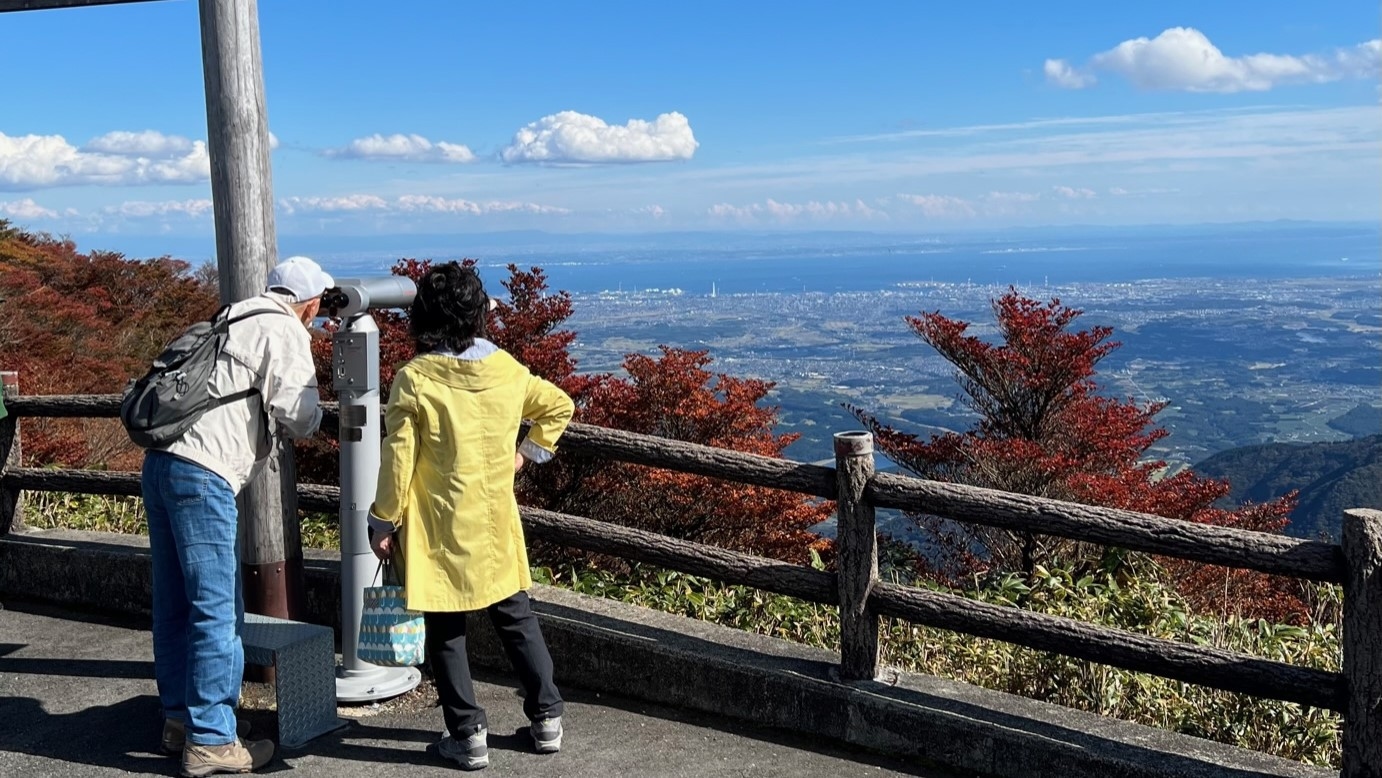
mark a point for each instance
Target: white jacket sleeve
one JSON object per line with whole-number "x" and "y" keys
{"x": 290, "y": 387}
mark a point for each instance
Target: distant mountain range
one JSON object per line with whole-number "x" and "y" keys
{"x": 1331, "y": 477}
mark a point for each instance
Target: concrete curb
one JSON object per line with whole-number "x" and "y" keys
{"x": 605, "y": 645}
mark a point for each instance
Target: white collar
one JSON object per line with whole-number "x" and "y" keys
{"x": 480, "y": 349}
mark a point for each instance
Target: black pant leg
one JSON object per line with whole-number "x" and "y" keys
{"x": 446, "y": 649}
{"x": 521, "y": 637}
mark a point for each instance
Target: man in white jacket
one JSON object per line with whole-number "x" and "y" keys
{"x": 189, "y": 490}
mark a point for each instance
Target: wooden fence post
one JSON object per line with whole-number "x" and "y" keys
{"x": 857, "y": 537}
{"x": 11, "y": 509}
{"x": 1362, "y": 542}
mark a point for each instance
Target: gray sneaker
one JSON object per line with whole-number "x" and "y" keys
{"x": 547, "y": 735}
{"x": 471, "y": 753}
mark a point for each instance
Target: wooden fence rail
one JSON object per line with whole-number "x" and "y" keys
{"x": 864, "y": 600}
{"x": 1180, "y": 661}
{"x": 1313, "y": 560}
{"x": 1226, "y": 546}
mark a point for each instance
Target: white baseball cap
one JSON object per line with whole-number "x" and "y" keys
{"x": 300, "y": 278}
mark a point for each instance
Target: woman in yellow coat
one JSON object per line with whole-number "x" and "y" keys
{"x": 446, "y": 503}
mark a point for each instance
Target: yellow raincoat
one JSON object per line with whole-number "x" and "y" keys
{"x": 446, "y": 475}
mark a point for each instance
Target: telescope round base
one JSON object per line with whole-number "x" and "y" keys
{"x": 376, "y": 683}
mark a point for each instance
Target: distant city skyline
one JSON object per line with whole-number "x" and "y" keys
{"x": 444, "y": 118}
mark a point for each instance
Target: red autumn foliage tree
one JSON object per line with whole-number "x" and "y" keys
{"x": 672, "y": 395}
{"x": 89, "y": 322}
{"x": 1044, "y": 430}
{"x": 85, "y": 323}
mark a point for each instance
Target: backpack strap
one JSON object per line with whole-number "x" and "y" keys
{"x": 256, "y": 312}
{"x": 252, "y": 391}
{"x": 234, "y": 398}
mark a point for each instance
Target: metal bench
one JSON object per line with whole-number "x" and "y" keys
{"x": 304, "y": 660}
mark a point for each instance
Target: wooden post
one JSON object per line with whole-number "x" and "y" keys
{"x": 11, "y": 507}
{"x": 246, "y": 248}
{"x": 857, "y": 537}
{"x": 1362, "y": 542}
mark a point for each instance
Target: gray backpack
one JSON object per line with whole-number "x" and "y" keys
{"x": 160, "y": 407}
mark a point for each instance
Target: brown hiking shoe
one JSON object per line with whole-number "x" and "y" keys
{"x": 175, "y": 734}
{"x": 241, "y": 756}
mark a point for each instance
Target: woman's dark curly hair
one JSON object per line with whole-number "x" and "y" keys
{"x": 449, "y": 309}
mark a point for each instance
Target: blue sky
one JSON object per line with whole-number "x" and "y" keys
{"x": 446, "y": 117}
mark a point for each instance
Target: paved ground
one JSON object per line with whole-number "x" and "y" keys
{"x": 77, "y": 699}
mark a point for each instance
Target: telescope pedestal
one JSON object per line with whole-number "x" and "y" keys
{"x": 355, "y": 377}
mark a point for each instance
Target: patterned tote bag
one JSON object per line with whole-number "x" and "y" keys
{"x": 390, "y": 634}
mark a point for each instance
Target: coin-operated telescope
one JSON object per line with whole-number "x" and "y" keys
{"x": 355, "y": 377}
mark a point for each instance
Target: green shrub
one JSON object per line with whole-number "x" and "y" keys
{"x": 92, "y": 512}
{"x": 1139, "y": 604}
{"x": 125, "y": 515}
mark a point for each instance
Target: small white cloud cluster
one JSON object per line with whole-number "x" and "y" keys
{"x": 1012, "y": 197}
{"x": 26, "y": 209}
{"x": 569, "y": 137}
{"x": 1064, "y": 75}
{"x": 940, "y": 206}
{"x": 141, "y": 209}
{"x": 404, "y": 148}
{"x": 1184, "y": 59}
{"x": 1074, "y": 193}
{"x": 434, "y": 204}
{"x": 410, "y": 204}
{"x": 114, "y": 159}
{"x": 813, "y": 210}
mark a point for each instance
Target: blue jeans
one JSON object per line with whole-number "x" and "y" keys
{"x": 198, "y": 604}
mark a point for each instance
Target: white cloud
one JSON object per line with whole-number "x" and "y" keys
{"x": 576, "y": 138}
{"x": 1106, "y": 147}
{"x": 343, "y": 204}
{"x": 1119, "y": 191}
{"x": 1012, "y": 197}
{"x": 1061, "y": 74}
{"x": 940, "y": 206}
{"x": 410, "y": 148}
{"x": 1072, "y": 193}
{"x": 113, "y": 159}
{"x": 813, "y": 210}
{"x": 1184, "y": 59}
{"x": 141, "y": 209}
{"x": 411, "y": 204}
{"x": 148, "y": 143}
{"x": 26, "y": 209}
{"x": 998, "y": 203}
{"x": 432, "y": 204}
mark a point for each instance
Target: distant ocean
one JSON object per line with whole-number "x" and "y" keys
{"x": 1027, "y": 261}
{"x": 746, "y": 263}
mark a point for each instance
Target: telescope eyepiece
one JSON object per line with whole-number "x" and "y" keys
{"x": 353, "y": 296}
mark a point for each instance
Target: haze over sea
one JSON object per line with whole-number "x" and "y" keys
{"x": 850, "y": 262}
{"x": 1028, "y": 260}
